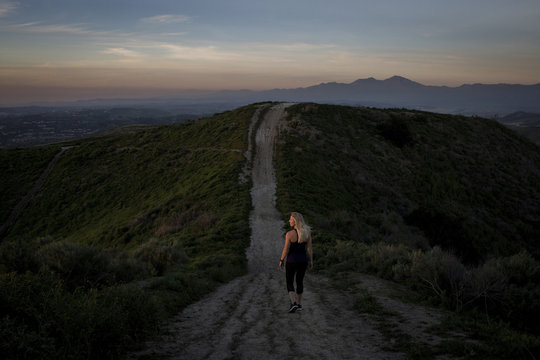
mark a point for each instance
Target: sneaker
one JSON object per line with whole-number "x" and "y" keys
{"x": 299, "y": 308}
{"x": 293, "y": 308}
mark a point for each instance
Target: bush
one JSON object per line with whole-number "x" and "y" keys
{"x": 40, "y": 319}
{"x": 508, "y": 288}
{"x": 125, "y": 268}
{"x": 520, "y": 269}
{"x": 86, "y": 266}
{"x": 77, "y": 265}
{"x": 18, "y": 256}
{"x": 343, "y": 256}
{"x": 487, "y": 285}
{"x": 505, "y": 288}
{"x": 382, "y": 259}
{"x": 440, "y": 272}
{"x": 158, "y": 256}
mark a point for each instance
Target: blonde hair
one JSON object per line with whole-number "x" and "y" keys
{"x": 304, "y": 231}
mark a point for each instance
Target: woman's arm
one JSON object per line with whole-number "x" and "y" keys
{"x": 310, "y": 253}
{"x": 285, "y": 249}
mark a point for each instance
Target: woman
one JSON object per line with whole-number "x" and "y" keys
{"x": 299, "y": 255}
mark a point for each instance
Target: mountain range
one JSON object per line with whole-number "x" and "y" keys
{"x": 479, "y": 99}
{"x": 395, "y": 92}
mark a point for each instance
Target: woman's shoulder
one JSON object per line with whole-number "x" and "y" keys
{"x": 291, "y": 233}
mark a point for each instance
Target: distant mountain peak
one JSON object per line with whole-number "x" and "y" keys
{"x": 363, "y": 81}
{"x": 400, "y": 80}
{"x": 397, "y": 78}
{"x": 394, "y": 80}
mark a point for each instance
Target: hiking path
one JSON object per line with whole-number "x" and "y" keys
{"x": 247, "y": 318}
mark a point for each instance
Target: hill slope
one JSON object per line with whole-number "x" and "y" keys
{"x": 385, "y": 191}
{"x": 446, "y": 204}
{"x": 120, "y": 190}
{"x": 113, "y": 212}
{"x": 468, "y": 185}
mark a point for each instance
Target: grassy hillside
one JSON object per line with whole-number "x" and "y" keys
{"x": 466, "y": 184}
{"x": 116, "y": 210}
{"x": 447, "y": 204}
{"x": 133, "y": 225}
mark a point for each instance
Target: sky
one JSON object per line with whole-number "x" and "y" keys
{"x": 70, "y": 49}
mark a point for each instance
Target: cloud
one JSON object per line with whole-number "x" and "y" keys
{"x": 7, "y": 7}
{"x": 166, "y": 19}
{"x": 296, "y": 47}
{"x": 122, "y": 52}
{"x": 211, "y": 53}
{"x": 173, "y": 34}
{"x": 67, "y": 29}
{"x": 250, "y": 54}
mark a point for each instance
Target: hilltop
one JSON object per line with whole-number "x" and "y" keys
{"x": 447, "y": 205}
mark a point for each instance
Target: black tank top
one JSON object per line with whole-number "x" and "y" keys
{"x": 297, "y": 251}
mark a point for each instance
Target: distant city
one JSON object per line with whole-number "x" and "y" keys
{"x": 21, "y": 127}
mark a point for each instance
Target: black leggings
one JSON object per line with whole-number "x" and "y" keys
{"x": 300, "y": 270}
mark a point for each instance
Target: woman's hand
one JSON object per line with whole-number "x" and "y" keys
{"x": 310, "y": 265}
{"x": 281, "y": 264}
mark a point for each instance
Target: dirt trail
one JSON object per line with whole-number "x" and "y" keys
{"x": 248, "y": 319}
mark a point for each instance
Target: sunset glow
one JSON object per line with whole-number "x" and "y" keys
{"x": 54, "y": 50}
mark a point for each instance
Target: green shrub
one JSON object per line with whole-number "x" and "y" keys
{"x": 158, "y": 256}
{"x": 440, "y": 272}
{"x": 125, "y": 268}
{"x": 382, "y": 259}
{"x": 504, "y": 288}
{"x": 96, "y": 324}
{"x": 507, "y": 288}
{"x": 487, "y": 284}
{"x": 343, "y": 256}
{"x": 19, "y": 256}
{"x": 80, "y": 265}
{"x": 520, "y": 269}
{"x": 77, "y": 265}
